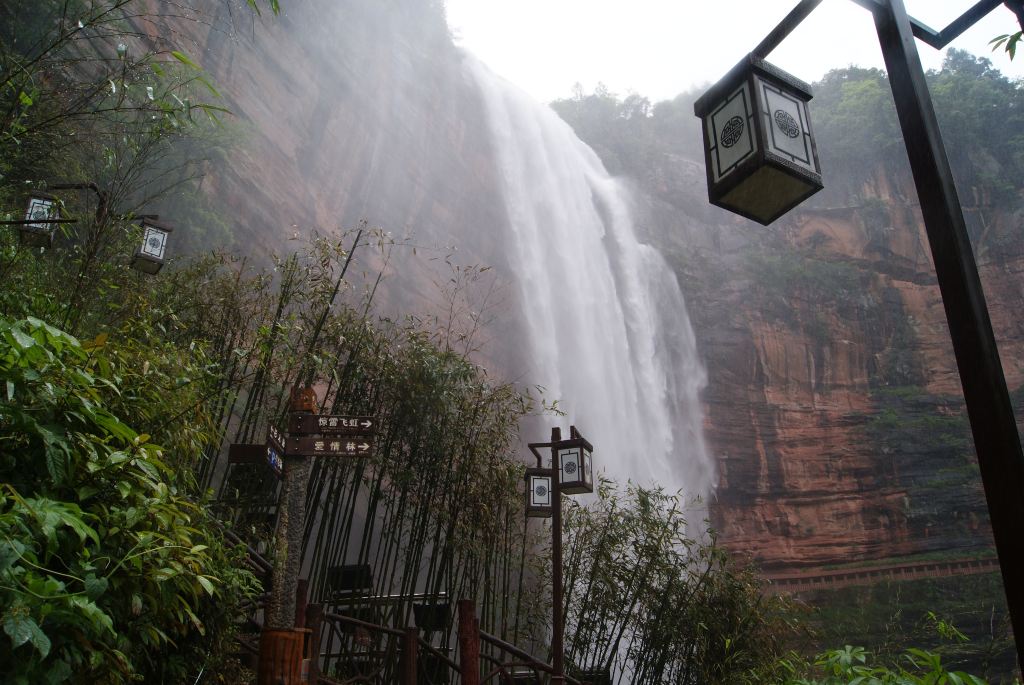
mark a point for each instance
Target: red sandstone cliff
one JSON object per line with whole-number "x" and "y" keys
{"x": 834, "y": 406}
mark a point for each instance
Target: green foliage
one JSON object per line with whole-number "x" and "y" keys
{"x": 645, "y": 598}
{"x": 275, "y": 6}
{"x": 875, "y": 214}
{"x": 980, "y": 110}
{"x": 1007, "y": 41}
{"x": 108, "y": 569}
{"x": 911, "y": 421}
{"x": 805, "y": 291}
{"x": 855, "y": 125}
{"x": 804, "y": 276}
{"x": 631, "y": 134}
{"x": 851, "y": 666}
{"x": 854, "y": 119}
{"x": 924, "y": 440}
{"x": 887, "y": 616}
{"x": 443, "y": 482}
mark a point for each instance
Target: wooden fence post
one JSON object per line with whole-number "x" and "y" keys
{"x": 300, "y": 603}
{"x": 410, "y": 648}
{"x": 314, "y": 621}
{"x": 469, "y": 643}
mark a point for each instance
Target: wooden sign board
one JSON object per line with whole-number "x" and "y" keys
{"x": 329, "y": 447}
{"x": 276, "y": 440}
{"x": 256, "y": 454}
{"x": 331, "y": 424}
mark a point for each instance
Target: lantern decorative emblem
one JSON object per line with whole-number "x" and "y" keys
{"x": 149, "y": 258}
{"x": 40, "y": 220}
{"x": 759, "y": 149}
{"x": 538, "y": 492}
{"x": 575, "y": 464}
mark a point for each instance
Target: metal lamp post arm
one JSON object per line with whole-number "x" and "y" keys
{"x": 76, "y": 186}
{"x": 785, "y": 27}
{"x": 1017, "y": 7}
{"x": 940, "y": 39}
{"x": 924, "y": 33}
{"x": 103, "y": 197}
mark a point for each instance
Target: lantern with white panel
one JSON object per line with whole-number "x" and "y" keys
{"x": 538, "y": 492}
{"x": 40, "y": 216}
{"x": 149, "y": 258}
{"x": 759, "y": 149}
{"x": 575, "y": 464}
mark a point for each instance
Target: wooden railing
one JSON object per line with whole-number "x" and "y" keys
{"x": 344, "y": 650}
{"x": 522, "y": 668}
{"x": 515, "y": 665}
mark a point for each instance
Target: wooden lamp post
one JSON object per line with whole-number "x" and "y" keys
{"x": 572, "y": 471}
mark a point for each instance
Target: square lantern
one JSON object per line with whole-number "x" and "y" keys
{"x": 759, "y": 150}
{"x": 42, "y": 207}
{"x": 575, "y": 465}
{"x": 149, "y": 258}
{"x": 538, "y": 492}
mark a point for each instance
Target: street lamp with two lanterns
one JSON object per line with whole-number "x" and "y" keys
{"x": 571, "y": 472}
{"x": 43, "y": 215}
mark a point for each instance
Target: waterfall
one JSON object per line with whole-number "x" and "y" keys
{"x": 609, "y": 334}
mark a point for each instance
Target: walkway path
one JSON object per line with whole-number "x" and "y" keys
{"x": 790, "y": 583}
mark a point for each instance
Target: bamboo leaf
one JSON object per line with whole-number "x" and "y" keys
{"x": 184, "y": 59}
{"x": 207, "y": 585}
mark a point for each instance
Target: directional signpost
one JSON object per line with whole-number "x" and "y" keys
{"x": 324, "y": 435}
{"x": 309, "y": 435}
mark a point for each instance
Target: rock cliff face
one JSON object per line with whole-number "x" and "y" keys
{"x": 833, "y": 405}
{"x": 339, "y": 98}
{"x": 345, "y": 112}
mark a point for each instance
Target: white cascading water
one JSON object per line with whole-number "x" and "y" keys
{"x": 611, "y": 338}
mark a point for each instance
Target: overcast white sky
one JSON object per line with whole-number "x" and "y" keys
{"x": 659, "y": 48}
